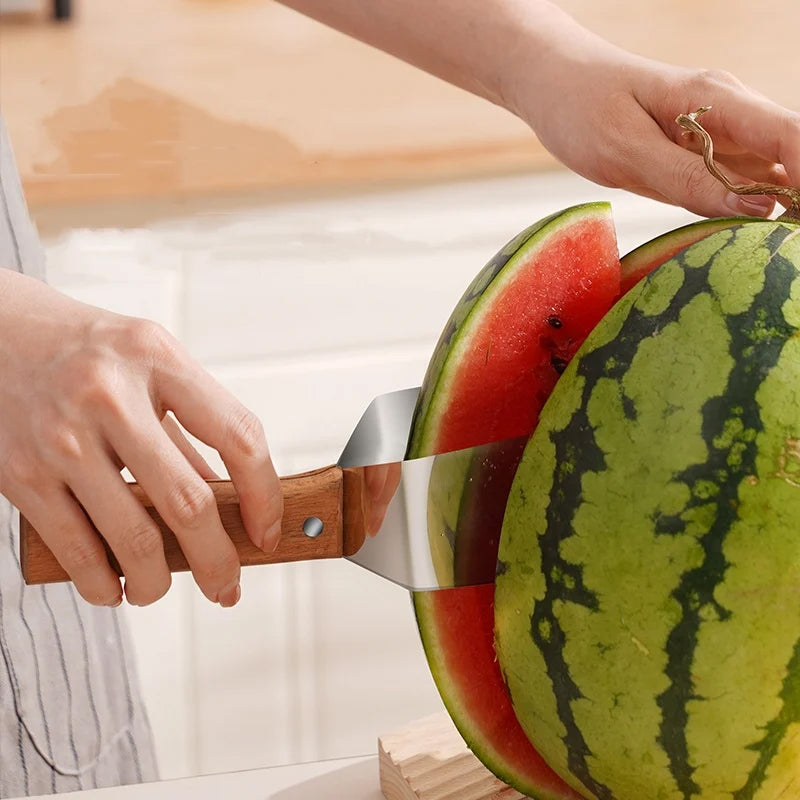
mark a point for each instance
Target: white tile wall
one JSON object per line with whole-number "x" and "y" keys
{"x": 305, "y": 311}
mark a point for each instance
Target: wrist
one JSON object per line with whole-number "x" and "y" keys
{"x": 549, "y": 63}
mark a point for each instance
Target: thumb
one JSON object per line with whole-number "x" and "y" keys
{"x": 682, "y": 177}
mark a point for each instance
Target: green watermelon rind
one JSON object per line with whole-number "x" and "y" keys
{"x": 446, "y": 487}
{"x": 471, "y": 308}
{"x": 643, "y": 259}
{"x": 467, "y": 317}
{"x": 485, "y": 754}
{"x": 521, "y": 573}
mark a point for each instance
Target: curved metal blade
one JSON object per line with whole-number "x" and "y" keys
{"x": 381, "y": 436}
{"x": 415, "y": 545}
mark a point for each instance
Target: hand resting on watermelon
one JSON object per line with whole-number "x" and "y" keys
{"x": 627, "y": 136}
{"x": 605, "y": 113}
{"x": 86, "y": 391}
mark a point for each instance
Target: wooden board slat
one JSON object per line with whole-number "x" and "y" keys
{"x": 428, "y": 760}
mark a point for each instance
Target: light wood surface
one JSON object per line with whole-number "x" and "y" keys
{"x": 353, "y": 778}
{"x": 318, "y": 493}
{"x": 428, "y": 760}
{"x": 198, "y": 97}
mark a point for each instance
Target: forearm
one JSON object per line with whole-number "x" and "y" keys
{"x": 486, "y": 48}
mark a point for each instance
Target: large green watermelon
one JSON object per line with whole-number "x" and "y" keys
{"x": 500, "y": 355}
{"x": 647, "y": 603}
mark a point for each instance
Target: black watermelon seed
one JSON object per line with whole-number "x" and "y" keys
{"x": 559, "y": 364}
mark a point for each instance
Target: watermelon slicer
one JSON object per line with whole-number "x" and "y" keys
{"x": 370, "y": 507}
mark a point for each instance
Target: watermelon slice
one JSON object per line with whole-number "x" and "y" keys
{"x": 502, "y": 351}
{"x": 514, "y": 330}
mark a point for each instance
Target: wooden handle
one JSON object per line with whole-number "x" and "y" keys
{"x": 311, "y": 494}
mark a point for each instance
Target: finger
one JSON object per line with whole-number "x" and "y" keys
{"x": 760, "y": 126}
{"x": 177, "y": 435}
{"x": 65, "y": 529}
{"x": 753, "y": 168}
{"x": 184, "y": 501}
{"x": 214, "y": 416}
{"x": 761, "y": 172}
{"x": 682, "y": 176}
{"x": 130, "y": 531}
{"x": 722, "y": 145}
{"x": 187, "y": 448}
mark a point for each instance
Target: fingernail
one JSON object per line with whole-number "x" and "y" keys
{"x": 752, "y": 206}
{"x": 271, "y": 538}
{"x": 230, "y": 596}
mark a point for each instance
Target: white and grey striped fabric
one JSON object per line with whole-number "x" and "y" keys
{"x": 71, "y": 716}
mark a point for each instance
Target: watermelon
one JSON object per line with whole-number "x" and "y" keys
{"x": 643, "y": 260}
{"x": 501, "y": 353}
{"x": 514, "y": 329}
{"x": 647, "y": 601}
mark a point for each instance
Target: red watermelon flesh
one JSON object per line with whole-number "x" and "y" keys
{"x": 504, "y": 358}
{"x": 523, "y": 342}
{"x": 461, "y": 643}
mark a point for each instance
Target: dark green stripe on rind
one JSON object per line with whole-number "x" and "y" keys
{"x": 731, "y": 422}
{"x": 564, "y": 584}
{"x": 775, "y": 732}
{"x": 515, "y": 250}
{"x": 644, "y": 258}
{"x": 541, "y": 536}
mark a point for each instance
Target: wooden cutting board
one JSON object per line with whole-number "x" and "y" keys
{"x": 428, "y": 760}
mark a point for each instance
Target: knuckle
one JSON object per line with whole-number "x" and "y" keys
{"x": 64, "y": 444}
{"x": 96, "y": 385}
{"x": 19, "y": 469}
{"x": 79, "y": 553}
{"x": 146, "y": 340}
{"x": 692, "y": 177}
{"x": 717, "y": 77}
{"x": 189, "y": 503}
{"x": 143, "y": 541}
{"x": 246, "y": 435}
{"x": 696, "y": 88}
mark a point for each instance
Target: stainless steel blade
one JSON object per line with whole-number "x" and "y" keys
{"x": 403, "y": 549}
{"x": 381, "y": 436}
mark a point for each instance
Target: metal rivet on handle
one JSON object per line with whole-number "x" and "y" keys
{"x": 312, "y": 527}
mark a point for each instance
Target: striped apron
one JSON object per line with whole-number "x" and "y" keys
{"x": 71, "y": 716}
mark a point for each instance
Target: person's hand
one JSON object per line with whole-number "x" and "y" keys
{"x": 610, "y": 116}
{"x": 605, "y": 113}
{"x": 84, "y": 392}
